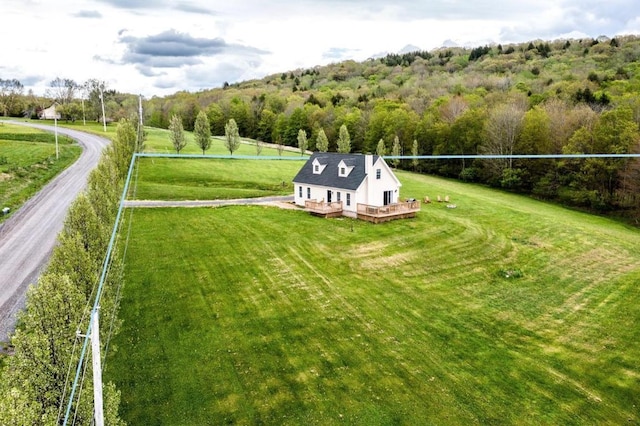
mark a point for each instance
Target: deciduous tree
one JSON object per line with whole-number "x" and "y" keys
{"x": 231, "y": 136}
{"x": 414, "y": 152}
{"x": 322, "y": 142}
{"x": 124, "y": 146}
{"x": 10, "y": 94}
{"x": 176, "y": 133}
{"x": 303, "y": 143}
{"x": 344, "y": 140}
{"x": 395, "y": 151}
{"x": 62, "y": 90}
{"x": 202, "y": 131}
{"x": 503, "y": 129}
{"x": 381, "y": 149}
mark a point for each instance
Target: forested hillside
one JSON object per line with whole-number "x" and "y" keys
{"x": 567, "y": 96}
{"x": 541, "y": 97}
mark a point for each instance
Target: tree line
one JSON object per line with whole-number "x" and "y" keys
{"x": 74, "y": 101}
{"x": 36, "y": 383}
{"x": 564, "y": 96}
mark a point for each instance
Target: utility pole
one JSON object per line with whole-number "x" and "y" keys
{"x": 55, "y": 126}
{"x": 84, "y": 117}
{"x": 97, "y": 369}
{"x": 96, "y": 362}
{"x": 104, "y": 118}
{"x": 140, "y": 125}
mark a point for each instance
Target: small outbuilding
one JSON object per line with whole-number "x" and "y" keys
{"x": 354, "y": 185}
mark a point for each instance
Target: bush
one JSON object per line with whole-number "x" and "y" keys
{"x": 469, "y": 174}
{"x": 511, "y": 178}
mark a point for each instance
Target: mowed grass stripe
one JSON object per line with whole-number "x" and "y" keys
{"x": 255, "y": 315}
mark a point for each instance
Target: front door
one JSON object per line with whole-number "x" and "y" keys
{"x": 328, "y": 196}
{"x": 387, "y": 197}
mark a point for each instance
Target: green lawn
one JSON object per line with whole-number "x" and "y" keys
{"x": 503, "y": 310}
{"x": 158, "y": 141}
{"x": 205, "y": 179}
{"x": 28, "y": 162}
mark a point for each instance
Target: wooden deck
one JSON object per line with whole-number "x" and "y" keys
{"x": 323, "y": 209}
{"x": 378, "y": 214}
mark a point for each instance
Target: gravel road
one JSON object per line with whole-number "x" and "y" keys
{"x": 29, "y": 235}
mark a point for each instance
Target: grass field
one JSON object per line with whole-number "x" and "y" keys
{"x": 157, "y": 141}
{"x": 501, "y": 311}
{"x": 28, "y": 162}
{"x": 206, "y": 179}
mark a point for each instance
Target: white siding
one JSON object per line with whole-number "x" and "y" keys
{"x": 372, "y": 190}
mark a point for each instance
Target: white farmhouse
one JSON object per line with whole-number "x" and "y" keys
{"x": 50, "y": 113}
{"x": 354, "y": 185}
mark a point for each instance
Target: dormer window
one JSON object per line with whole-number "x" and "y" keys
{"x": 318, "y": 168}
{"x": 344, "y": 169}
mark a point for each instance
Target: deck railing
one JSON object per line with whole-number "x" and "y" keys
{"x": 390, "y": 209}
{"x": 323, "y": 207}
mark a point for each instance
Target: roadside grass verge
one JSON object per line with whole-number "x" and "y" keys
{"x": 250, "y": 315}
{"x": 28, "y": 162}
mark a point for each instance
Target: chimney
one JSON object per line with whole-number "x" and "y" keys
{"x": 368, "y": 164}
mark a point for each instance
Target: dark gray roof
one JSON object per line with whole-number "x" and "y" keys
{"x": 329, "y": 176}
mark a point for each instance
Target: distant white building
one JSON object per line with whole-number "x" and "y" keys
{"x": 354, "y": 185}
{"x": 50, "y": 113}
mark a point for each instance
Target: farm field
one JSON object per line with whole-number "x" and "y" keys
{"x": 503, "y": 310}
{"x": 27, "y": 162}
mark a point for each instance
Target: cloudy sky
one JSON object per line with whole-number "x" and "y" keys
{"x": 158, "y": 47}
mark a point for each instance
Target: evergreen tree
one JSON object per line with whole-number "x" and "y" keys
{"x": 177, "y": 133}
{"x": 202, "y": 131}
{"x": 322, "y": 142}
{"x": 231, "y": 136}
{"x": 344, "y": 140}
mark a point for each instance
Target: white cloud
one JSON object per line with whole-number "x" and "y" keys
{"x": 156, "y": 47}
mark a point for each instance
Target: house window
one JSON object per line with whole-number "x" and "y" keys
{"x": 348, "y": 199}
{"x": 300, "y": 191}
{"x": 378, "y": 173}
{"x": 308, "y": 193}
{"x": 338, "y": 196}
{"x": 342, "y": 171}
{"x": 316, "y": 168}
